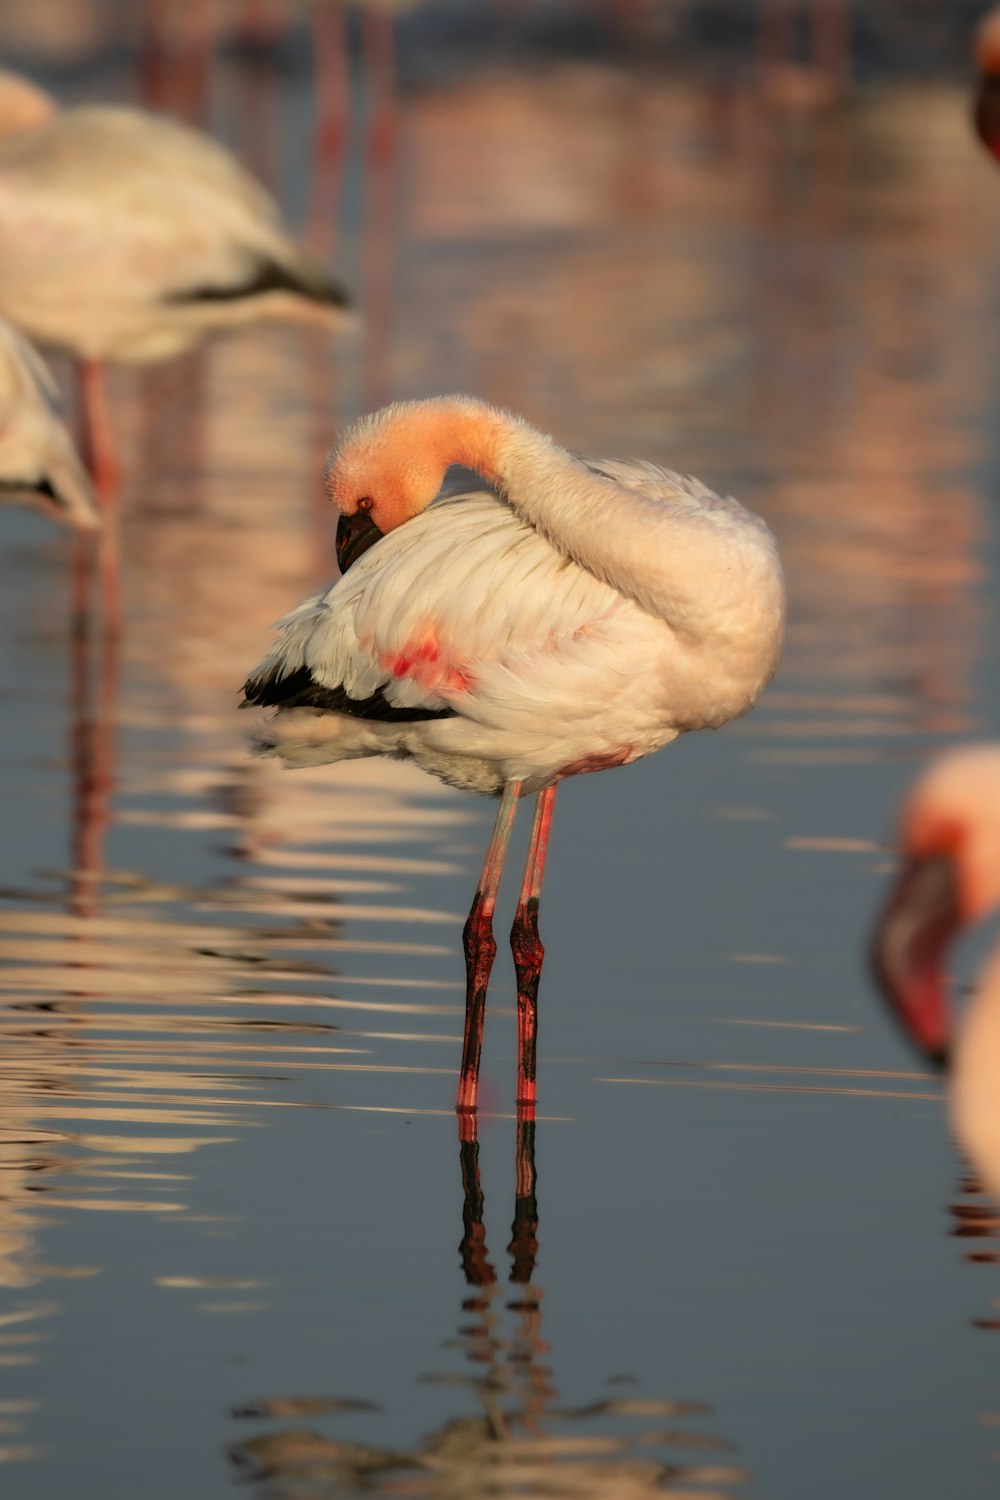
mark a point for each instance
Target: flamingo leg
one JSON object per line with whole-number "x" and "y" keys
{"x": 527, "y": 947}
{"x": 98, "y": 442}
{"x": 102, "y": 463}
{"x": 332, "y": 90}
{"x": 380, "y": 204}
{"x": 480, "y": 946}
{"x": 379, "y": 45}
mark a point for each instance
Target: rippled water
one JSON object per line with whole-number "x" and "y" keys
{"x": 240, "y": 1237}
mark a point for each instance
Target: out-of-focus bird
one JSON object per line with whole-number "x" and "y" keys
{"x": 568, "y": 615}
{"x": 949, "y": 838}
{"x": 38, "y": 462}
{"x": 986, "y": 51}
{"x": 128, "y": 236}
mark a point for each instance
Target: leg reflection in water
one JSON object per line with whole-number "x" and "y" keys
{"x": 522, "y": 1442}
{"x": 94, "y": 671}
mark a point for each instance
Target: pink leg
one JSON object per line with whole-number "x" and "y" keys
{"x": 99, "y": 455}
{"x": 380, "y": 205}
{"x": 480, "y": 947}
{"x": 528, "y": 950}
{"x": 379, "y": 46}
{"x": 332, "y": 91}
{"x": 98, "y": 443}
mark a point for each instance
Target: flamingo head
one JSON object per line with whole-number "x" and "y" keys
{"x": 22, "y": 104}
{"x": 950, "y": 842}
{"x": 987, "y": 108}
{"x": 389, "y": 466}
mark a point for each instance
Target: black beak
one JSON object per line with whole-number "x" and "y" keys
{"x": 913, "y": 934}
{"x": 355, "y": 534}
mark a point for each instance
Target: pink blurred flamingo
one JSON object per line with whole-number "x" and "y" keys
{"x": 569, "y": 615}
{"x": 949, "y": 839}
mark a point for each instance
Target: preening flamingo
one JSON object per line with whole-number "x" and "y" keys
{"x": 569, "y": 615}
{"x": 128, "y": 236}
{"x": 38, "y": 462}
{"x": 949, "y": 837}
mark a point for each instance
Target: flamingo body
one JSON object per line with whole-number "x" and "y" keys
{"x": 949, "y": 836}
{"x": 129, "y": 236}
{"x": 38, "y": 462}
{"x": 489, "y": 655}
{"x": 564, "y": 616}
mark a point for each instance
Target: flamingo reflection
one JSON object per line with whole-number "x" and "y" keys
{"x": 522, "y": 1442}
{"x": 94, "y": 683}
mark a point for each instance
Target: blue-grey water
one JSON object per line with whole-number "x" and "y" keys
{"x": 240, "y": 1240}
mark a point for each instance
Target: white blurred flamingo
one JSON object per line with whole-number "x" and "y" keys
{"x": 949, "y": 838}
{"x": 38, "y": 462}
{"x": 128, "y": 236}
{"x": 570, "y": 615}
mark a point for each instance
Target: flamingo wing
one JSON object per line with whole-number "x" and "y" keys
{"x": 126, "y": 204}
{"x": 406, "y": 633}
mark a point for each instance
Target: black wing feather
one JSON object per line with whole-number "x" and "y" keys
{"x": 299, "y": 689}
{"x": 269, "y": 276}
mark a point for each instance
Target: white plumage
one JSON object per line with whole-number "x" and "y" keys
{"x": 544, "y": 663}
{"x": 129, "y": 236}
{"x": 38, "y": 462}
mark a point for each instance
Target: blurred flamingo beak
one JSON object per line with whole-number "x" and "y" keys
{"x": 918, "y": 922}
{"x": 355, "y": 534}
{"x": 987, "y": 113}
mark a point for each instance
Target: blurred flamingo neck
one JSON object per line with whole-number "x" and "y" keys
{"x": 986, "y": 46}
{"x": 22, "y": 104}
{"x": 954, "y": 811}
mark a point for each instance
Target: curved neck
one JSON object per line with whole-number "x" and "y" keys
{"x": 22, "y": 104}
{"x": 678, "y": 551}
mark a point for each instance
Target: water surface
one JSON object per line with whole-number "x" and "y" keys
{"x": 240, "y": 1238}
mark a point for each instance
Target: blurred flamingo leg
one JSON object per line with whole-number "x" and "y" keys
{"x": 332, "y": 91}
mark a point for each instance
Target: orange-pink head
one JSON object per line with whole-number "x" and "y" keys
{"x": 949, "y": 838}
{"x": 390, "y": 465}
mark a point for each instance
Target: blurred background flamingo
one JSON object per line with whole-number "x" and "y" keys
{"x": 949, "y": 841}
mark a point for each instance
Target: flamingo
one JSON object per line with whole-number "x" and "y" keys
{"x": 569, "y": 614}
{"x": 949, "y": 836}
{"x": 128, "y": 236}
{"x": 38, "y": 462}
{"x": 986, "y": 51}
